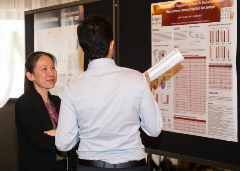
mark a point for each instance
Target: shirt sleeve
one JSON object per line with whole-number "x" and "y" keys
{"x": 28, "y": 122}
{"x": 67, "y": 131}
{"x": 150, "y": 114}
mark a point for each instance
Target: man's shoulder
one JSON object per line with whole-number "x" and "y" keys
{"x": 119, "y": 71}
{"x": 129, "y": 70}
{"x": 75, "y": 79}
{"x": 131, "y": 73}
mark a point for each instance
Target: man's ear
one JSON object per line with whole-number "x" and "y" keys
{"x": 111, "y": 47}
{"x": 30, "y": 76}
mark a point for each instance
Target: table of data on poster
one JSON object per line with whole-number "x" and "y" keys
{"x": 190, "y": 86}
{"x": 220, "y": 77}
{"x": 190, "y": 125}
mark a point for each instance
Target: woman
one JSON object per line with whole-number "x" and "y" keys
{"x": 37, "y": 117}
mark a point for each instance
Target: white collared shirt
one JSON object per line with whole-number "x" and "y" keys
{"x": 104, "y": 107}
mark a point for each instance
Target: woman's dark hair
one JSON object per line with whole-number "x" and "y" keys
{"x": 95, "y": 34}
{"x": 31, "y": 63}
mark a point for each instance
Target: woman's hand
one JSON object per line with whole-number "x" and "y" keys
{"x": 51, "y": 132}
{"x": 150, "y": 83}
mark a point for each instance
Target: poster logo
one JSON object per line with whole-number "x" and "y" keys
{"x": 157, "y": 20}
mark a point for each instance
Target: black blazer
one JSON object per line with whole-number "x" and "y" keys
{"x": 36, "y": 150}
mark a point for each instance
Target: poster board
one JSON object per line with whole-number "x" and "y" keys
{"x": 104, "y": 7}
{"x": 55, "y": 32}
{"x": 135, "y": 28}
{"x": 90, "y": 7}
{"x": 198, "y": 96}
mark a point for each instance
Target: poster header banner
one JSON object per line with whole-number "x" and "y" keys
{"x": 58, "y": 18}
{"x": 189, "y": 12}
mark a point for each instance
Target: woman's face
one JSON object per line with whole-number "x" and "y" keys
{"x": 44, "y": 74}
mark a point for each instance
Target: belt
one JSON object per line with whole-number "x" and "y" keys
{"x": 102, "y": 164}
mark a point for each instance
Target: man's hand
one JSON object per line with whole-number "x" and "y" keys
{"x": 51, "y": 132}
{"x": 150, "y": 83}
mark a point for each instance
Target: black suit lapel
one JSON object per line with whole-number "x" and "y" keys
{"x": 41, "y": 110}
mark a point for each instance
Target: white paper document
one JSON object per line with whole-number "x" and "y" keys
{"x": 165, "y": 64}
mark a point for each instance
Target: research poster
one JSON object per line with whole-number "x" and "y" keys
{"x": 56, "y": 32}
{"x": 199, "y": 95}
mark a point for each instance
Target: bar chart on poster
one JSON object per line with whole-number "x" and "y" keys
{"x": 199, "y": 95}
{"x": 55, "y": 32}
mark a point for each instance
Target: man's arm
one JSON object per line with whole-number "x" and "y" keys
{"x": 67, "y": 131}
{"x": 150, "y": 114}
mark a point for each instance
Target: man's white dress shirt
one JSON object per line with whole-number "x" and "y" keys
{"x": 104, "y": 108}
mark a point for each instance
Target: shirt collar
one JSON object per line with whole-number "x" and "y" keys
{"x": 101, "y": 62}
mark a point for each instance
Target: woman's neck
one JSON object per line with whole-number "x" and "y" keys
{"x": 43, "y": 92}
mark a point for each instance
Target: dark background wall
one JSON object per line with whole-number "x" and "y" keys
{"x": 135, "y": 53}
{"x": 8, "y": 132}
{"x": 8, "y": 137}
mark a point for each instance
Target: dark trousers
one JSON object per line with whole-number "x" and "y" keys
{"x": 84, "y": 168}
{"x": 61, "y": 165}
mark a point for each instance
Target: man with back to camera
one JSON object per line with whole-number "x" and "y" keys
{"x": 105, "y": 106}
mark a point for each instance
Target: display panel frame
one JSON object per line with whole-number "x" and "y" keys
{"x": 136, "y": 54}
{"x": 134, "y": 51}
{"x": 103, "y": 7}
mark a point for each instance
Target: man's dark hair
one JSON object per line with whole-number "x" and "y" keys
{"x": 95, "y": 34}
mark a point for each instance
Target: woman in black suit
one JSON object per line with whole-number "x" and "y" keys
{"x": 37, "y": 118}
